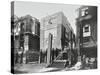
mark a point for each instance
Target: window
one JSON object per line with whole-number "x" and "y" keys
{"x": 84, "y": 11}
{"x": 86, "y": 30}
{"x": 22, "y": 26}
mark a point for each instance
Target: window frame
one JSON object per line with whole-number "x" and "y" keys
{"x": 84, "y": 11}
{"x": 84, "y": 28}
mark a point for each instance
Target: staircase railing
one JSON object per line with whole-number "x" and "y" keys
{"x": 60, "y": 54}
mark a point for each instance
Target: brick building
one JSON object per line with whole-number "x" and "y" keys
{"x": 86, "y": 24}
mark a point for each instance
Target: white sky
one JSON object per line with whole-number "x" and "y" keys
{"x": 40, "y": 10}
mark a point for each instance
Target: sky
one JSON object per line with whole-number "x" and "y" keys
{"x": 40, "y": 10}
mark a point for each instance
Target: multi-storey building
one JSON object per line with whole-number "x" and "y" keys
{"x": 58, "y": 26}
{"x": 86, "y": 24}
{"x": 27, "y": 38}
{"x": 30, "y": 26}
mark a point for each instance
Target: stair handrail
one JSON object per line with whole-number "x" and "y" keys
{"x": 59, "y": 54}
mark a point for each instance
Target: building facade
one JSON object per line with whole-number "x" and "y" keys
{"x": 31, "y": 29}
{"x": 27, "y": 38}
{"x": 58, "y": 26}
{"x": 86, "y": 33}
